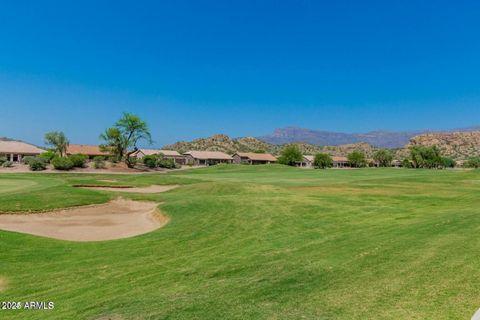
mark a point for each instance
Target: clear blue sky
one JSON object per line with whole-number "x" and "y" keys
{"x": 195, "y": 68}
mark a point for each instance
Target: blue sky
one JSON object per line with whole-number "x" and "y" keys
{"x": 195, "y": 68}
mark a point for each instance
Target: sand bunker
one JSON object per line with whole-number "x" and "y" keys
{"x": 114, "y": 220}
{"x": 150, "y": 189}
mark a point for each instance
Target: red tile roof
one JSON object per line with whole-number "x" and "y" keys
{"x": 86, "y": 149}
{"x": 257, "y": 156}
{"x": 18, "y": 147}
{"x": 205, "y": 155}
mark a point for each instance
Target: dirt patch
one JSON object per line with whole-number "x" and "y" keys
{"x": 3, "y": 284}
{"x": 116, "y": 219}
{"x": 150, "y": 189}
{"x": 108, "y": 180}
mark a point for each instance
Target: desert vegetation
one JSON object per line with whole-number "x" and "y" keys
{"x": 121, "y": 140}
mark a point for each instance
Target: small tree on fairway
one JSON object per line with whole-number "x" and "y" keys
{"x": 290, "y": 155}
{"x": 58, "y": 141}
{"x": 383, "y": 158}
{"x": 322, "y": 161}
{"x": 357, "y": 159}
{"x": 121, "y": 140}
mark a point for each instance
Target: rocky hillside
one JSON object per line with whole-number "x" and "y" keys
{"x": 225, "y": 144}
{"x": 222, "y": 143}
{"x": 378, "y": 138}
{"x": 457, "y": 145}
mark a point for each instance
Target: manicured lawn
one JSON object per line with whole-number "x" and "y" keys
{"x": 264, "y": 242}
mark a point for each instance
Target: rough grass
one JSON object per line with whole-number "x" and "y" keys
{"x": 263, "y": 242}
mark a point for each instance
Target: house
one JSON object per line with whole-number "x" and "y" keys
{"x": 253, "y": 158}
{"x": 169, "y": 154}
{"x": 206, "y": 158}
{"x": 15, "y": 151}
{"x": 307, "y": 162}
{"x": 340, "y": 162}
{"x": 90, "y": 150}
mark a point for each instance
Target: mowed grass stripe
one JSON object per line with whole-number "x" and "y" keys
{"x": 266, "y": 243}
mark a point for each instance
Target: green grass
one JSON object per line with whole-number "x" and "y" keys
{"x": 264, "y": 242}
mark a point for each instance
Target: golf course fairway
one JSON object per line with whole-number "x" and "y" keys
{"x": 255, "y": 242}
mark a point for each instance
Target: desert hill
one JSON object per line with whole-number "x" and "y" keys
{"x": 457, "y": 145}
{"x": 377, "y": 138}
{"x": 221, "y": 142}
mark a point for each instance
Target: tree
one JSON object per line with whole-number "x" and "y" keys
{"x": 58, "y": 141}
{"x": 290, "y": 155}
{"x": 114, "y": 143}
{"x": 426, "y": 157}
{"x": 473, "y": 162}
{"x": 383, "y": 158}
{"x": 322, "y": 161}
{"x": 357, "y": 159}
{"x": 448, "y": 162}
{"x": 121, "y": 140}
{"x": 406, "y": 163}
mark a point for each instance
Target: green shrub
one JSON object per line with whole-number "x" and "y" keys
{"x": 150, "y": 161}
{"x": 132, "y": 161}
{"x": 28, "y": 159}
{"x": 448, "y": 162}
{"x": 37, "y": 164}
{"x": 357, "y": 159}
{"x": 78, "y": 160}
{"x": 3, "y": 160}
{"x": 62, "y": 163}
{"x": 47, "y": 156}
{"x": 322, "y": 161}
{"x": 7, "y": 164}
{"x": 406, "y": 163}
{"x": 167, "y": 163}
{"x": 159, "y": 161}
{"x": 473, "y": 162}
{"x": 99, "y": 162}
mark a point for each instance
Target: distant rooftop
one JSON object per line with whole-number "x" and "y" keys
{"x": 257, "y": 156}
{"x": 86, "y": 149}
{"x": 18, "y": 147}
{"x": 205, "y": 155}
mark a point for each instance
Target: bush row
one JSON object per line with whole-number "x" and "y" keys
{"x": 159, "y": 161}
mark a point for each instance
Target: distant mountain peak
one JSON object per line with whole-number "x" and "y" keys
{"x": 379, "y": 138}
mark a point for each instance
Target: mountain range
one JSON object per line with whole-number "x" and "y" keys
{"x": 378, "y": 138}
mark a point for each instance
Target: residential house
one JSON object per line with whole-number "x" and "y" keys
{"x": 15, "y": 151}
{"x": 90, "y": 150}
{"x": 206, "y": 158}
{"x": 307, "y": 162}
{"x": 340, "y": 162}
{"x": 253, "y": 158}
{"x": 169, "y": 154}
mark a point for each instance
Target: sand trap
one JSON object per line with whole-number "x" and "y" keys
{"x": 150, "y": 189}
{"x": 114, "y": 220}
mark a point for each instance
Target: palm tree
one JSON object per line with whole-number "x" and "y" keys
{"x": 58, "y": 141}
